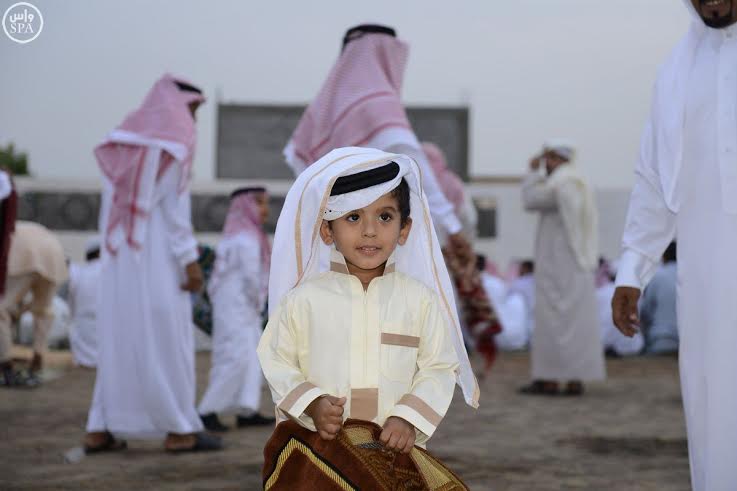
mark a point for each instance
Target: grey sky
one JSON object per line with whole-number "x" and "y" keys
{"x": 528, "y": 69}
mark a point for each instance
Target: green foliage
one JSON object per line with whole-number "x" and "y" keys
{"x": 15, "y": 161}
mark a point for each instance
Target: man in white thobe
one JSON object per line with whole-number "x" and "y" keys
{"x": 84, "y": 288}
{"x": 145, "y": 385}
{"x": 686, "y": 179}
{"x": 238, "y": 289}
{"x": 566, "y": 345}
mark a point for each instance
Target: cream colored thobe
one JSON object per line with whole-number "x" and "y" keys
{"x": 386, "y": 349}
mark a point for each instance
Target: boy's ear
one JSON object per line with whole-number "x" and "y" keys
{"x": 404, "y": 232}
{"x": 326, "y": 233}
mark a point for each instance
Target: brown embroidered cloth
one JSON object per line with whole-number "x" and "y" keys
{"x": 296, "y": 459}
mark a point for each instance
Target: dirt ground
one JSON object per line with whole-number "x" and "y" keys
{"x": 625, "y": 434}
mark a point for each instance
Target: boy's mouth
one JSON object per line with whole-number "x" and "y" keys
{"x": 368, "y": 250}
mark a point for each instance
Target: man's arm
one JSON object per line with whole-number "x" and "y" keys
{"x": 441, "y": 209}
{"x": 177, "y": 211}
{"x": 536, "y": 194}
{"x": 649, "y": 228}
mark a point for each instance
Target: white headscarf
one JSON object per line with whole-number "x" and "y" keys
{"x": 663, "y": 138}
{"x": 300, "y": 254}
{"x": 579, "y": 214}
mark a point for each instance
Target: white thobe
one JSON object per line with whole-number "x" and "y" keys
{"x": 565, "y": 344}
{"x": 511, "y": 310}
{"x": 442, "y": 211}
{"x": 145, "y": 384}
{"x": 387, "y": 349}
{"x": 707, "y": 275}
{"x": 235, "y": 376}
{"x": 84, "y": 281}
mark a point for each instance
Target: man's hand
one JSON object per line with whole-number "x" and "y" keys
{"x": 327, "y": 414}
{"x": 624, "y": 310}
{"x": 398, "y": 435}
{"x": 194, "y": 278}
{"x": 458, "y": 241}
{"x": 535, "y": 162}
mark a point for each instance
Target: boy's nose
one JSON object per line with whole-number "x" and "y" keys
{"x": 369, "y": 230}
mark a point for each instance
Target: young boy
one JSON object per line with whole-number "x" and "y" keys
{"x": 238, "y": 288}
{"x": 369, "y": 329}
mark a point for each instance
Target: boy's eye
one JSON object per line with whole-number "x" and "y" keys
{"x": 385, "y": 217}
{"x": 353, "y": 217}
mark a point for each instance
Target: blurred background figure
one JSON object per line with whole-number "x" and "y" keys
{"x": 84, "y": 289}
{"x": 510, "y": 308}
{"x": 566, "y": 344}
{"x": 454, "y": 191}
{"x": 359, "y": 104}
{"x": 524, "y": 285}
{"x": 238, "y": 288}
{"x": 658, "y": 319}
{"x": 145, "y": 384}
{"x": 36, "y": 267}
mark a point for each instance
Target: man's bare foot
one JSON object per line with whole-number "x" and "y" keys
{"x": 179, "y": 441}
{"x": 95, "y": 438}
{"x": 102, "y": 441}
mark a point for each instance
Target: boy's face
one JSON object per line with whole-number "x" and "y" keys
{"x": 716, "y": 13}
{"x": 263, "y": 206}
{"x": 367, "y": 237}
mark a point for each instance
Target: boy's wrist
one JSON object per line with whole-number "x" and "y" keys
{"x": 310, "y": 409}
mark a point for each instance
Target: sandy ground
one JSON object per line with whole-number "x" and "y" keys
{"x": 625, "y": 434}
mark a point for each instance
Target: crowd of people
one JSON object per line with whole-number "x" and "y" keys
{"x": 372, "y": 289}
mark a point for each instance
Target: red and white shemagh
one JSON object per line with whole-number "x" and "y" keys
{"x": 360, "y": 98}
{"x": 244, "y": 216}
{"x": 163, "y": 121}
{"x": 450, "y": 183}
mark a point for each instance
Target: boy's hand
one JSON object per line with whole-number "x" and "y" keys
{"x": 398, "y": 435}
{"x": 327, "y": 414}
{"x": 624, "y": 310}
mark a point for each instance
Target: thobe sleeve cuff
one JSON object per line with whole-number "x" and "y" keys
{"x": 297, "y": 400}
{"x": 635, "y": 269}
{"x": 188, "y": 256}
{"x": 419, "y": 413}
{"x": 451, "y": 224}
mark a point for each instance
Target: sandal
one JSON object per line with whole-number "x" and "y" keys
{"x": 111, "y": 444}
{"x": 573, "y": 389}
{"x": 18, "y": 379}
{"x": 203, "y": 442}
{"x": 540, "y": 388}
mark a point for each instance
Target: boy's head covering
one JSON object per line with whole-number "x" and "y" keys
{"x": 665, "y": 129}
{"x": 164, "y": 121}
{"x": 358, "y": 105}
{"x": 299, "y": 253}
